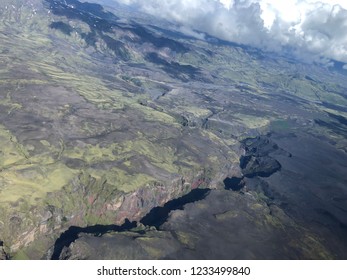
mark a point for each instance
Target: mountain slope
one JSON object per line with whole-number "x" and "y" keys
{"x": 104, "y": 118}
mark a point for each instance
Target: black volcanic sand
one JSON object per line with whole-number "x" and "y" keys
{"x": 311, "y": 187}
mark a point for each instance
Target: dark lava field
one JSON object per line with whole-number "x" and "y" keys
{"x": 123, "y": 138}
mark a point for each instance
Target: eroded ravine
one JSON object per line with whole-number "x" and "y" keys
{"x": 155, "y": 218}
{"x": 255, "y": 148}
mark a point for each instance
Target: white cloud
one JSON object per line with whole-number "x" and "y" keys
{"x": 190, "y": 32}
{"x": 313, "y": 29}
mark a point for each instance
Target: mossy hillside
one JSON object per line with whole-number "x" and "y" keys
{"x": 158, "y": 159}
{"x": 88, "y": 87}
{"x": 33, "y": 182}
{"x": 11, "y": 151}
{"x": 125, "y": 181}
{"x": 7, "y": 103}
{"x": 72, "y": 108}
{"x": 263, "y": 76}
{"x": 23, "y": 176}
{"x": 82, "y": 201}
{"x": 253, "y": 122}
{"x": 311, "y": 89}
{"x": 96, "y": 92}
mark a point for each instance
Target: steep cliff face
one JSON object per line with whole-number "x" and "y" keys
{"x": 87, "y": 201}
{"x": 3, "y": 255}
{"x": 224, "y": 225}
{"x": 277, "y": 216}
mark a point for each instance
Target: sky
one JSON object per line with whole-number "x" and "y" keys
{"x": 311, "y": 30}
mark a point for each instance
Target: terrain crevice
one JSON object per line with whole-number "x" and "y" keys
{"x": 69, "y": 236}
{"x": 158, "y": 215}
{"x": 155, "y": 218}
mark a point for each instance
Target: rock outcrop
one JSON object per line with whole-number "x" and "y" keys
{"x": 263, "y": 166}
{"x": 257, "y": 160}
{"x": 3, "y": 255}
{"x": 88, "y": 201}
